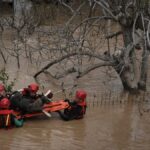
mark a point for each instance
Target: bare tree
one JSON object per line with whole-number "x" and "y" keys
{"x": 95, "y": 33}
{"x": 22, "y": 25}
{"x": 98, "y": 21}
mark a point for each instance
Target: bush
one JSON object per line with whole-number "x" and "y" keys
{"x": 4, "y": 78}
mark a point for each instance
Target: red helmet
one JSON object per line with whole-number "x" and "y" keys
{"x": 33, "y": 87}
{"x": 2, "y": 88}
{"x": 5, "y": 103}
{"x": 81, "y": 94}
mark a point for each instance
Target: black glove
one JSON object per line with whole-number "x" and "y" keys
{"x": 50, "y": 95}
{"x": 45, "y": 99}
{"x": 58, "y": 111}
{"x": 67, "y": 100}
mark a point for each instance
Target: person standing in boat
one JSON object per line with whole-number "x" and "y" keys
{"x": 77, "y": 107}
{"x": 28, "y": 100}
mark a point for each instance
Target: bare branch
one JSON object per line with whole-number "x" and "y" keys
{"x": 148, "y": 32}
{"x": 107, "y": 9}
{"x": 101, "y": 57}
{"x": 63, "y": 3}
{"x": 113, "y": 34}
{"x": 134, "y": 24}
{"x": 92, "y": 18}
{"x": 75, "y": 13}
{"x": 67, "y": 72}
{"x": 102, "y": 64}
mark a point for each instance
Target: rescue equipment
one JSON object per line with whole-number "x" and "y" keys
{"x": 50, "y": 107}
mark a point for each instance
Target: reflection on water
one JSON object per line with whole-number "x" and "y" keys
{"x": 107, "y": 126}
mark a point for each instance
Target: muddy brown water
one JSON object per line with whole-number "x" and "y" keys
{"x": 114, "y": 121}
{"x": 109, "y": 127}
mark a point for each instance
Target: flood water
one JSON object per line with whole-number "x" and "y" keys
{"x": 116, "y": 126}
{"x": 113, "y": 121}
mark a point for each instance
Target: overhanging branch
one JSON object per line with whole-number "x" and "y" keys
{"x": 100, "y": 57}
{"x": 106, "y": 9}
{"x": 102, "y": 64}
{"x": 113, "y": 34}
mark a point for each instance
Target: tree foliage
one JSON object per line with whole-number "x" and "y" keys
{"x": 4, "y": 78}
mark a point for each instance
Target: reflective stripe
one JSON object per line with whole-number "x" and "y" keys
{"x": 7, "y": 120}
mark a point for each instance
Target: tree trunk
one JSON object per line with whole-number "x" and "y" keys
{"x": 144, "y": 69}
{"x": 129, "y": 70}
{"x": 22, "y": 11}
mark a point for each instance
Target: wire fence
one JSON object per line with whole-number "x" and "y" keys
{"x": 117, "y": 98}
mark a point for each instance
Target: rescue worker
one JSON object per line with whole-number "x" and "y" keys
{"x": 77, "y": 107}
{"x": 3, "y": 92}
{"x": 4, "y": 104}
{"x": 7, "y": 119}
{"x": 28, "y": 100}
{"x": 4, "y": 98}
